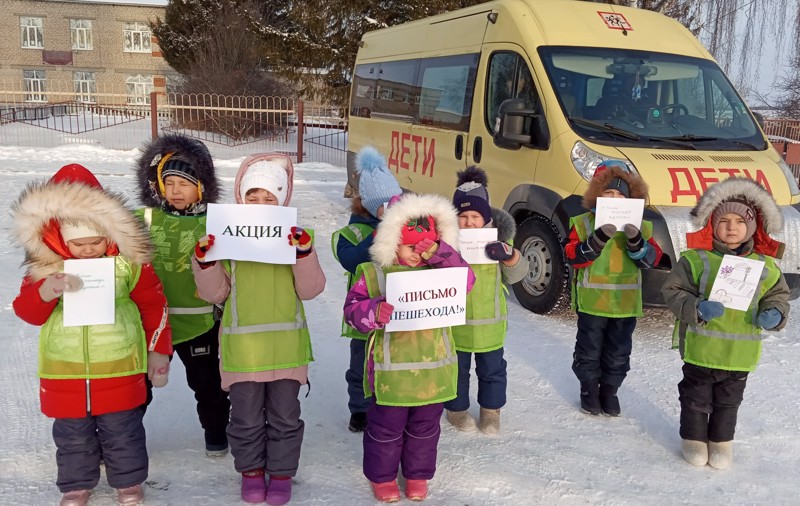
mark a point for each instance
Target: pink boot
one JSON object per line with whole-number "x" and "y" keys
{"x": 254, "y": 489}
{"x": 130, "y": 495}
{"x": 75, "y": 498}
{"x": 416, "y": 490}
{"x": 279, "y": 490}
{"x": 386, "y": 492}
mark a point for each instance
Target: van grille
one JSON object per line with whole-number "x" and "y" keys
{"x": 733, "y": 159}
{"x": 678, "y": 158}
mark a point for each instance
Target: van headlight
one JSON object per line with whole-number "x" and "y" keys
{"x": 585, "y": 160}
{"x": 790, "y": 177}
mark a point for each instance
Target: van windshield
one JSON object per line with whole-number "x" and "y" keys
{"x": 618, "y": 96}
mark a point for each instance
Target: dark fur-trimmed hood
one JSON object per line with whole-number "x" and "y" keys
{"x": 598, "y": 184}
{"x": 185, "y": 148}
{"x": 384, "y": 247}
{"x": 769, "y": 217}
{"x": 43, "y": 202}
{"x": 506, "y": 227}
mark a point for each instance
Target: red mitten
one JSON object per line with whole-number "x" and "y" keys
{"x": 384, "y": 313}
{"x": 426, "y": 248}
{"x": 157, "y": 368}
{"x": 300, "y": 239}
{"x": 202, "y": 247}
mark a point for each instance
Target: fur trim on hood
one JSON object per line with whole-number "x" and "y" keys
{"x": 43, "y": 206}
{"x": 598, "y": 184}
{"x": 185, "y": 148}
{"x": 278, "y": 158}
{"x": 384, "y": 247}
{"x": 769, "y": 217}
{"x": 506, "y": 227}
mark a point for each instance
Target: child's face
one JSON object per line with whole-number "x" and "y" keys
{"x": 731, "y": 230}
{"x": 611, "y": 193}
{"x": 407, "y": 256}
{"x": 179, "y": 192}
{"x": 260, "y": 196}
{"x": 88, "y": 247}
{"x": 470, "y": 219}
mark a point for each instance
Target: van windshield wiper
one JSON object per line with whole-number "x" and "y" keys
{"x": 701, "y": 138}
{"x": 674, "y": 142}
{"x": 605, "y": 127}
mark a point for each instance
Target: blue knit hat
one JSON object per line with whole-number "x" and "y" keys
{"x": 376, "y": 185}
{"x": 471, "y": 193}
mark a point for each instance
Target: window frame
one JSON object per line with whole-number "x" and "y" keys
{"x": 89, "y": 79}
{"x": 31, "y": 25}
{"x": 129, "y": 31}
{"x": 35, "y": 86}
{"x": 75, "y": 31}
{"x": 136, "y": 81}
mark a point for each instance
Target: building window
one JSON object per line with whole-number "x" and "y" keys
{"x": 139, "y": 88}
{"x": 85, "y": 86}
{"x": 32, "y": 32}
{"x": 81, "y": 32}
{"x": 34, "y": 84}
{"x": 136, "y": 37}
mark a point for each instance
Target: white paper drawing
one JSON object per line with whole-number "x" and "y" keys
{"x": 736, "y": 282}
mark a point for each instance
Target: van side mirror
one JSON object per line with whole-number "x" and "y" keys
{"x": 520, "y": 126}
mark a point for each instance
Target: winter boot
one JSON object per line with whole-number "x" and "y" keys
{"x": 489, "y": 422}
{"x": 130, "y": 495}
{"x": 695, "y": 452}
{"x": 609, "y": 401}
{"x": 254, "y": 489}
{"x": 590, "y": 397}
{"x": 279, "y": 490}
{"x": 417, "y": 490}
{"x": 75, "y": 498}
{"x": 386, "y": 492}
{"x": 358, "y": 422}
{"x": 216, "y": 444}
{"x": 720, "y": 455}
{"x": 461, "y": 420}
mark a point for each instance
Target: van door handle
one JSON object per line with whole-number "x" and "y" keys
{"x": 459, "y": 147}
{"x": 477, "y": 149}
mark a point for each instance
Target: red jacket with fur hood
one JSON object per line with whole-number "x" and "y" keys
{"x": 74, "y": 193}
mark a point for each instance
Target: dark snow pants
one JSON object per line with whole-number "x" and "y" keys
{"x": 710, "y": 400}
{"x": 355, "y": 377}
{"x": 603, "y": 349}
{"x": 79, "y": 442}
{"x": 490, "y": 368}
{"x": 266, "y": 431}
{"x": 407, "y": 436}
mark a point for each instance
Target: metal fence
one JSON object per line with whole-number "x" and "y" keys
{"x": 58, "y": 114}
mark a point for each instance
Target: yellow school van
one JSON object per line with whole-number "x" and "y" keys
{"x": 538, "y": 93}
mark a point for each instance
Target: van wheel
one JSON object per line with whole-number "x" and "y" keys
{"x": 544, "y": 289}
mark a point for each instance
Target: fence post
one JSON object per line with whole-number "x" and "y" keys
{"x": 300, "y": 126}
{"x": 153, "y": 115}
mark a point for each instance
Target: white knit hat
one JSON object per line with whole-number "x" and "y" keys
{"x": 79, "y": 231}
{"x": 266, "y": 175}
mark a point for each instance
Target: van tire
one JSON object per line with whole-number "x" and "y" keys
{"x": 544, "y": 289}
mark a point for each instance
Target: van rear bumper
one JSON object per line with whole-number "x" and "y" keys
{"x": 670, "y": 225}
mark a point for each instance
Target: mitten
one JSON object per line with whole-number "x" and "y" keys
{"x": 497, "y": 250}
{"x": 202, "y": 247}
{"x": 707, "y": 310}
{"x": 634, "y": 235}
{"x": 56, "y": 284}
{"x": 769, "y": 319}
{"x": 300, "y": 239}
{"x": 157, "y": 368}
{"x": 384, "y": 313}
{"x": 426, "y": 248}
{"x": 601, "y": 236}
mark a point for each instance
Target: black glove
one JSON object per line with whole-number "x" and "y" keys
{"x": 600, "y": 237}
{"x": 499, "y": 251}
{"x": 634, "y": 235}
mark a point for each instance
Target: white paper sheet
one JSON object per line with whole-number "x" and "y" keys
{"x": 618, "y": 212}
{"x": 93, "y": 304}
{"x": 472, "y": 244}
{"x": 257, "y": 233}
{"x": 736, "y": 282}
{"x": 427, "y": 299}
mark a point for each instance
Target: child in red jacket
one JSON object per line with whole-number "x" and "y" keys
{"x": 92, "y": 378}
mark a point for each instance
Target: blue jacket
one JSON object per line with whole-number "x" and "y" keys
{"x": 351, "y": 255}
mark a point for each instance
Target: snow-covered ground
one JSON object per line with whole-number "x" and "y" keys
{"x": 547, "y": 453}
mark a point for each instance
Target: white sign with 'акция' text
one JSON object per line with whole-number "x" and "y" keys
{"x": 252, "y": 232}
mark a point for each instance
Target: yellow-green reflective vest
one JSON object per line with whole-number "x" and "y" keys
{"x": 487, "y": 312}
{"x": 412, "y": 368}
{"x": 354, "y": 233}
{"x": 97, "y": 351}
{"x": 263, "y": 323}
{"x": 612, "y": 285}
{"x": 174, "y": 238}
{"x": 731, "y": 342}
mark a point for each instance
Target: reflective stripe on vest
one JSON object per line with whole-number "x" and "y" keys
{"x": 487, "y": 297}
